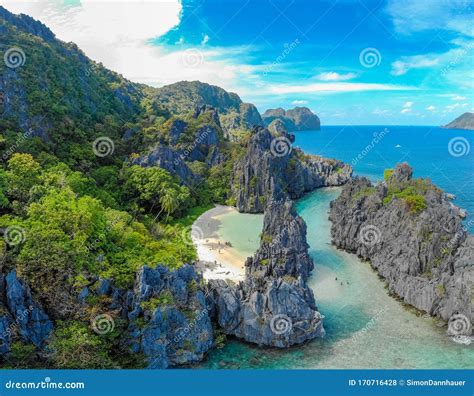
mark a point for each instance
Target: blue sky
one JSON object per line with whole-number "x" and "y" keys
{"x": 351, "y": 61}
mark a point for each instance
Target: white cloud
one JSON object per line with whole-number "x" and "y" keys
{"x": 337, "y": 87}
{"x": 333, "y": 76}
{"x": 458, "y": 97}
{"x": 431, "y": 108}
{"x": 408, "y": 104}
{"x": 405, "y": 111}
{"x": 407, "y": 63}
{"x": 299, "y": 102}
{"x": 118, "y": 35}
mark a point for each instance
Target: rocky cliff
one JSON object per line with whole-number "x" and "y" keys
{"x": 165, "y": 317}
{"x": 273, "y": 306}
{"x": 21, "y": 317}
{"x": 413, "y": 236}
{"x": 297, "y": 119}
{"x": 272, "y": 168}
{"x": 168, "y": 317}
{"x": 464, "y": 121}
{"x": 194, "y": 136}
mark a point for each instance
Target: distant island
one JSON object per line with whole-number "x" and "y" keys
{"x": 464, "y": 121}
{"x": 297, "y": 119}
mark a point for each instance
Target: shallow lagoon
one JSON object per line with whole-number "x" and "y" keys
{"x": 366, "y": 328}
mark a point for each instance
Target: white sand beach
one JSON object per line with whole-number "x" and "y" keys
{"x": 217, "y": 260}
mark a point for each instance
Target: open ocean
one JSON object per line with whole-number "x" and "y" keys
{"x": 446, "y": 156}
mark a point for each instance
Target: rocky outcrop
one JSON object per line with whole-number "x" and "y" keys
{"x": 271, "y": 169}
{"x": 176, "y": 326}
{"x": 21, "y": 317}
{"x": 413, "y": 236}
{"x": 273, "y": 306}
{"x": 297, "y": 119}
{"x": 166, "y": 311}
{"x": 168, "y": 159}
{"x": 277, "y": 127}
{"x": 464, "y": 121}
{"x": 167, "y": 315}
{"x": 283, "y": 249}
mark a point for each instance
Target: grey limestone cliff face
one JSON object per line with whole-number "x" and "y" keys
{"x": 195, "y": 139}
{"x": 176, "y": 332}
{"x": 21, "y": 317}
{"x": 273, "y": 306}
{"x": 413, "y": 236}
{"x": 166, "y": 316}
{"x": 166, "y": 312}
{"x": 272, "y": 169}
{"x": 283, "y": 249}
{"x": 168, "y": 159}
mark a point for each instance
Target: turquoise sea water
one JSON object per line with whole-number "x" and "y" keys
{"x": 444, "y": 155}
{"x": 366, "y": 328}
{"x": 240, "y": 229}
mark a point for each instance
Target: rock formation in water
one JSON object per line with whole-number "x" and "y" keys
{"x": 464, "y": 121}
{"x": 413, "y": 236}
{"x": 297, "y": 119}
{"x": 272, "y": 168}
{"x": 273, "y": 306}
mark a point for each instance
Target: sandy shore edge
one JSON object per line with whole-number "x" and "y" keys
{"x": 216, "y": 260}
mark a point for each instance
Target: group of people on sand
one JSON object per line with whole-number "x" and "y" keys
{"x": 219, "y": 245}
{"x": 342, "y": 283}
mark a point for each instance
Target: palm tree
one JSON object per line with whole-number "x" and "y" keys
{"x": 169, "y": 202}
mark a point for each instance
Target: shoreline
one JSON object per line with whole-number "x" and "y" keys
{"x": 216, "y": 258}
